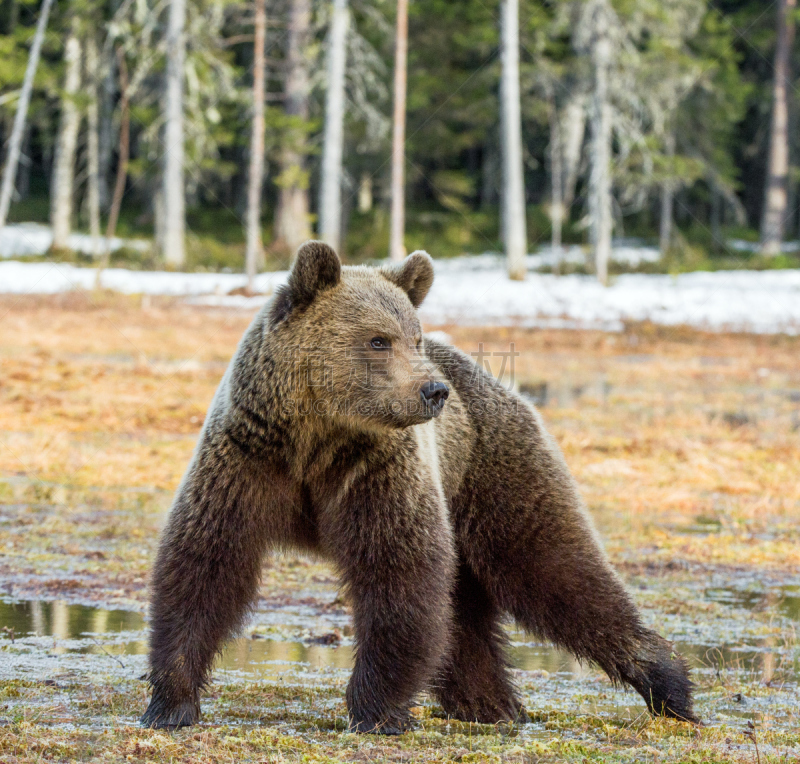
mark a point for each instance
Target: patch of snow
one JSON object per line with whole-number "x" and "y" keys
{"x": 758, "y": 301}
{"x": 625, "y": 252}
{"x": 740, "y": 245}
{"x": 25, "y": 239}
{"x": 50, "y": 278}
{"x": 477, "y": 291}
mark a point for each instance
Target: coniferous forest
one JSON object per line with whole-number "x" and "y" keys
{"x": 224, "y": 132}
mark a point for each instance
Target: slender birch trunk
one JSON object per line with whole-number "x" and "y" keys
{"x": 775, "y": 196}
{"x": 174, "y": 188}
{"x": 556, "y": 190}
{"x": 330, "y": 204}
{"x": 600, "y": 215}
{"x": 514, "y": 222}
{"x": 667, "y": 198}
{"x": 66, "y": 145}
{"x": 256, "y": 175}
{"x": 397, "y": 250}
{"x": 93, "y": 144}
{"x": 12, "y": 159}
{"x": 573, "y": 127}
{"x": 292, "y": 225}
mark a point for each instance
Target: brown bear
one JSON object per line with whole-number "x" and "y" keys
{"x": 437, "y": 495}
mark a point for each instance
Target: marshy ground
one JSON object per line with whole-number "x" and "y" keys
{"x": 686, "y": 447}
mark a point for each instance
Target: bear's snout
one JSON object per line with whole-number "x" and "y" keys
{"x": 433, "y": 395}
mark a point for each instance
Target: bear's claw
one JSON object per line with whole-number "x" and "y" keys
{"x": 159, "y": 717}
{"x": 395, "y": 725}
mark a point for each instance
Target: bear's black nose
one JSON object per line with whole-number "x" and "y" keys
{"x": 434, "y": 394}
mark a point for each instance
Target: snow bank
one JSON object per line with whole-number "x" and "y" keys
{"x": 24, "y": 239}
{"x": 757, "y": 301}
{"x": 50, "y": 278}
{"x": 476, "y": 291}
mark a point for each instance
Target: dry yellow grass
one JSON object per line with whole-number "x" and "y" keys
{"x": 661, "y": 427}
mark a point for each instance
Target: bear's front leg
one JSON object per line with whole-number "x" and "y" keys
{"x": 395, "y": 553}
{"x": 205, "y": 577}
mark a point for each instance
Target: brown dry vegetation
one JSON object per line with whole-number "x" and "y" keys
{"x": 669, "y": 432}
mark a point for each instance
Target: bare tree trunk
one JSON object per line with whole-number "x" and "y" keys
{"x": 66, "y": 145}
{"x": 12, "y": 159}
{"x": 513, "y": 198}
{"x": 600, "y": 216}
{"x": 174, "y": 189}
{"x": 292, "y": 225}
{"x": 124, "y": 152}
{"x": 330, "y": 204}
{"x": 397, "y": 250}
{"x": 775, "y": 197}
{"x": 556, "y": 190}
{"x": 667, "y": 197}
{"x": 106, "y": 130}
{"x": 256, "y": 176}
{"x": 572, "y": 132}
{"x": 93, "y": 144}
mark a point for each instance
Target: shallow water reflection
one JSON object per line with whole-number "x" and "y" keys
{"x": 88, "y": 630}
{"x": 84, "y": 629}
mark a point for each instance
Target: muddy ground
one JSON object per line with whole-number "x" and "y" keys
{"x": 686, "y": 446}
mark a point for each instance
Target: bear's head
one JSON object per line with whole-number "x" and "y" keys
{"x": 355, "y": 340}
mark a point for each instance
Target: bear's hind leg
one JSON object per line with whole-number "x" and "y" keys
{"x": 532, "y": 545}
{"x": 556, "y": 582}
{"x": 474, "y": 685}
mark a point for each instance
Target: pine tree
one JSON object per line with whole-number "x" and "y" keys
{"x": 174, "y": 189}
{"x": 330, "y": 205}
{"x": 66, "y": 143}
{"x": 513, "y": 197}
{"x": 397, "y": 248}
{"x": 292, "y": 226}
{"x": 255, "y": 179}
{"x": 776, "y": 194}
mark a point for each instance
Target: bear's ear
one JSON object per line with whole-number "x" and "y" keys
{"x": 414, "y": 276}
{"x": 316, "y": 268}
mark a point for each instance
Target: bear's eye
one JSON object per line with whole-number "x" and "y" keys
{"x": 379, "y": 343}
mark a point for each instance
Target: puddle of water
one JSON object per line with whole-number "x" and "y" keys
{"x": 82, "y": 629}
{"x": 782, "y": 599}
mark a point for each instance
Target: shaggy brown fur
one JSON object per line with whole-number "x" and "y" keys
{"x": 329, "y": 434}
